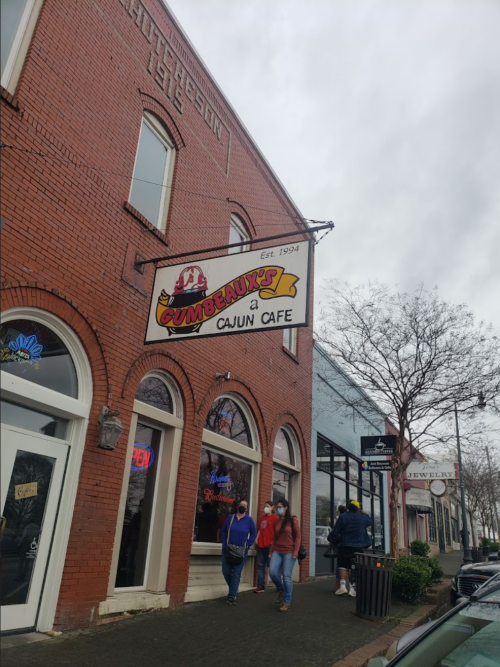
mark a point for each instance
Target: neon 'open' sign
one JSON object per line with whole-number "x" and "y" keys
{"x": 143, "y": 456}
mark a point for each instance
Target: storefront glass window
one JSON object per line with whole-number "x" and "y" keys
{"x": 226, "y": 418}
{"x": 154, "y": 392}
{"x": 223, "y": 481}
{"x": 34, "y": 352}
{"x": 134, "y": 548}
{"x": 34, "y": 420}
{"x": 283, "y": 450}
{"x": 432, "y": 523}
{"x": 345, "y": 484}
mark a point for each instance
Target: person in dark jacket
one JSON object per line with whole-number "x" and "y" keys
{"x": 239, "y": 530}
{"x": 351, "y": 535}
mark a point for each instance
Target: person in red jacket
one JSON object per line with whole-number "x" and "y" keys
{"x": 284, "y": 549}
{"x": 264, "y": 540}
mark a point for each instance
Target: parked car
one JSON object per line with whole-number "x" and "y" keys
{"x": 468, "y": 635}
{"x": 470, "y": 577}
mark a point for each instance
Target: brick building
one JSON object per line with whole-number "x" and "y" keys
{"x": 116, "y": 144}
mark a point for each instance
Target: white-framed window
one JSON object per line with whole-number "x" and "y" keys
{"x": 290, "y": 340}
{"x": 18, "y": 19}
{"x": 153, "y": 171}
{"x": 143, "y": 533}
{"x": 286, "y": 468}
{"x": 227, "y": 469}
{"x": 237, "y": 234}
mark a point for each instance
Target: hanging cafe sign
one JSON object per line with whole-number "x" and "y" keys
{"x": 250, "y": 291}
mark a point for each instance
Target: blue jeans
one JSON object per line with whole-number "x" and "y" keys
{"x": 232, "y": 575}
{"x": 262, "y": 562}
{"x": 283, "y": 583}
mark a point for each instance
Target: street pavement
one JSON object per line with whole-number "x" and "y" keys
{"x": 319, "y": 630}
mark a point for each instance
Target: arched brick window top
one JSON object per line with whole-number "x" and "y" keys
{"x": 227, "y": 417}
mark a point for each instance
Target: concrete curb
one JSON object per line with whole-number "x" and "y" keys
{"x": 360, "y": 657}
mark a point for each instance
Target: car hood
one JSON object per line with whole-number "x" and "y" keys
{"x": 488, "y": 569}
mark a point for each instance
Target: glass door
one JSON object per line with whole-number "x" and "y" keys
{"x": 139, "y": 511}
{"x": 32, "y": 476}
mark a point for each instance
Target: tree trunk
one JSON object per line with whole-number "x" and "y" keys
{"x": 396, "y": 476}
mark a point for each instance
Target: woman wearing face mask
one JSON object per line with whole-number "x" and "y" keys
{"x": 264, "y": 540}
{"x": 239, "y": 530}
{"x": 285, "y": 548}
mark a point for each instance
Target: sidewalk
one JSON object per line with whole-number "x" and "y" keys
{"x": 451, "y": 563}
{"x": 319, "y": 630}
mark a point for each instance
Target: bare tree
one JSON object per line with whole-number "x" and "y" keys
{"x": 416, "y": 355}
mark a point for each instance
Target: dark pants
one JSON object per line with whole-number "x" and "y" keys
{"x": 262, "y": 562}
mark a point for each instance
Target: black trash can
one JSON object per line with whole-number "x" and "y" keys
{"x": 486, "y": 552}
{"x": 373, "y": 586}
{"x": 477, "y": 556}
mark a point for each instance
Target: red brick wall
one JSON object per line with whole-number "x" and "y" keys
{"x": 79, "y": 102}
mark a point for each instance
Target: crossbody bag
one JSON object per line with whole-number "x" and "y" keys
{"x": 234, "y": 554}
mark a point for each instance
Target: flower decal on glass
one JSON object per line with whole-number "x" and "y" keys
{"x": 25, "y": 348}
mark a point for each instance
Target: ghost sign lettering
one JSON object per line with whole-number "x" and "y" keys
{"x": 249, "y": 291}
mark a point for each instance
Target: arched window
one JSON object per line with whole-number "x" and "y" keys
{"x": 153, "y": 391}
{"x": 286, "y": 467}
{"x": 32, "y": 351}
{"x": 226, "y": 418}
{"x": 283, "y": 448}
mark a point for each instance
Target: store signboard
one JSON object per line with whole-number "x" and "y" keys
{"x": 378, "y": 445}
{"x": 431, "y": 470}
{"x": 376, "y": 465}
{"x": 419, "y": 499}
{"x": 258, "y": 290}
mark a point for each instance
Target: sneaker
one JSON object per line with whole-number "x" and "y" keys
{"x": 279, "y": 599}
{"x": 341, "y": 591}
{"x": 285, "y": 607}
{"x": 259, "y": 589}
{"x": 231, "y": 601}
{"x": 352, "y": 592}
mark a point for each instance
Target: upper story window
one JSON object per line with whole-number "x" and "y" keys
{"x": 226, "y": 418}
{"x": 237, "y": 234}
{"x": 32, "y": 351}
{"x": 290, "y": 340}
{"x": 152, "y": 180}
{"x": 18, "y": 18}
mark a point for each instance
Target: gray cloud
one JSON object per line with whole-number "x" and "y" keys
{"x": 381, "y": 115}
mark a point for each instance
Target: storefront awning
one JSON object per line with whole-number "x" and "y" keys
{"x": 419, "y": 500}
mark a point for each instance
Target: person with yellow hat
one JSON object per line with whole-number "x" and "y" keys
{"x": 350, "y": 533}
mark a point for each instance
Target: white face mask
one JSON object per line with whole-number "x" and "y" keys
{"x": 267, "y": 510}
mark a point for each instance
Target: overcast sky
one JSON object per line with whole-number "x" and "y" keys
{"x": 383, "y": 116}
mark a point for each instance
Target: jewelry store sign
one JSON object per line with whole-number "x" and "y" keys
{"x": 431, "y": 470}
{"x": 250, "y": 291}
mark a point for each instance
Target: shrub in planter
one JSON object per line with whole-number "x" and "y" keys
{"x": 485, "y": 542}
{"x": 495, "y": 547}
{"x": 437, "y": 570}
{"x": 412, "y": 575}
{"x": 419, "y": 548}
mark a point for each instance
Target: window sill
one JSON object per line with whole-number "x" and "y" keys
{"x": 291, "y": 355}
{"x": 145, "y": 222}
{"x": 133, "y": 601}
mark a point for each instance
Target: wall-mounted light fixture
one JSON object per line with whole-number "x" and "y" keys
{"x": 111, "y": 428}
{"x": 223, "y": 376}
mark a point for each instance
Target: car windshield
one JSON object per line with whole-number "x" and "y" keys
{"x": 469, "y": 638}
